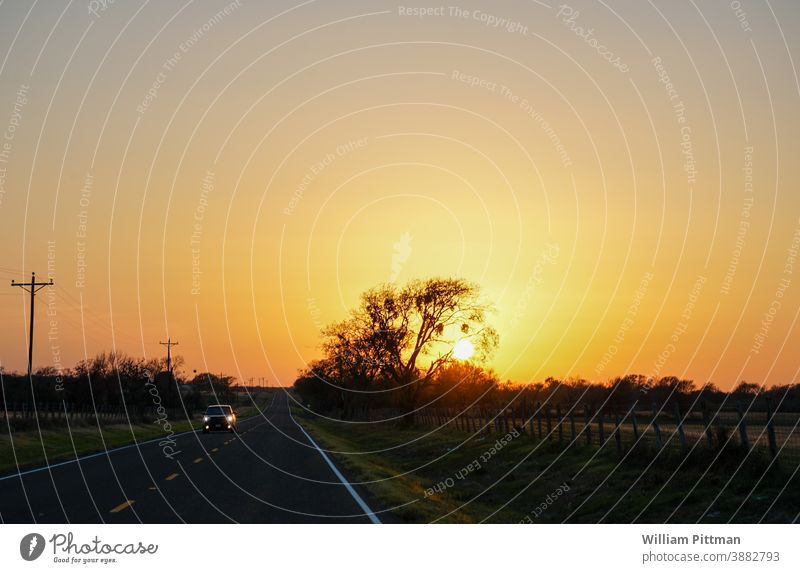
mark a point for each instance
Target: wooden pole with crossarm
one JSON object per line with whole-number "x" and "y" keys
{"x": 32, "y": 287}
{"x": 169, "y": 344}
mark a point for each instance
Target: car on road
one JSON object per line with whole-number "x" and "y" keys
{"x": 219, "y": 417}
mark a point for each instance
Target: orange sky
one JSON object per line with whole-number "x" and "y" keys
{"x": 233, "y": 175}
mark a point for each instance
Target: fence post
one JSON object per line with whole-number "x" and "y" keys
{"x": 773, "y": 446}
{"x": 539, "y": 419}
{"x": 617, "y": 436}
{"x": 707, "y": 425}
{"x": 633, "y": 421}
{"x": 742, "y": 428}
{"x": 601, "y": 431}
{"x": 587, "y": 427}
{"x": 549, "y": 424}
{"x": 560, "y": 423}
{"x": 679, "y": 425}
{"x": 572, "y": 423}
{"x": 656, "y": 429}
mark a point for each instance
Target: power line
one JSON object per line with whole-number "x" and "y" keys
{"x": 32, "y": 287}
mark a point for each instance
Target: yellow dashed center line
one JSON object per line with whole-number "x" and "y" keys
{"x": 170, "y": 477}
{"x": 198, "y": 460}
{"x": 126, "y": 504}
{"x": 215, "y": 450}
{"x": 152, "y": 488}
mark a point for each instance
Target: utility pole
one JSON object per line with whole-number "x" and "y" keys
{"x": 32, "y": 287}
{"x": 169, "y": 344}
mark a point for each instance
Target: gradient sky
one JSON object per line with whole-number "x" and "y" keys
{"x": 292, "y": 155}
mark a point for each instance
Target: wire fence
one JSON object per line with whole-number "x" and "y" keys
{"x": 775, "y": 434}
{"x": 18, "y": 415}
{"x": 26, "y": 415}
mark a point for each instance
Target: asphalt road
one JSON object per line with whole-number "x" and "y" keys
{"x": 268, "y": 472}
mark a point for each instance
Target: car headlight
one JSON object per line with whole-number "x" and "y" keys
{"x": 229, "y": 418}
{"x": 205, "y": 418}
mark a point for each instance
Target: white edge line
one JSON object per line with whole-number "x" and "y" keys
{"x": 361, "y": 503}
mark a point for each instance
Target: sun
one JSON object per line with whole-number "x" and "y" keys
{"x": 463, "y": 349}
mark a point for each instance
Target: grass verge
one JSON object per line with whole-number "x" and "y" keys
{"x": 448, "y": 476}
{"x": 28, "y": 448}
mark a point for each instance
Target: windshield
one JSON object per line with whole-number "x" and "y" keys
{"x": 217, "y": 411}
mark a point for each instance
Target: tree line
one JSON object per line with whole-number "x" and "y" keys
{"x": 113, "y": 379}
{"x": 395, "y": 352}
